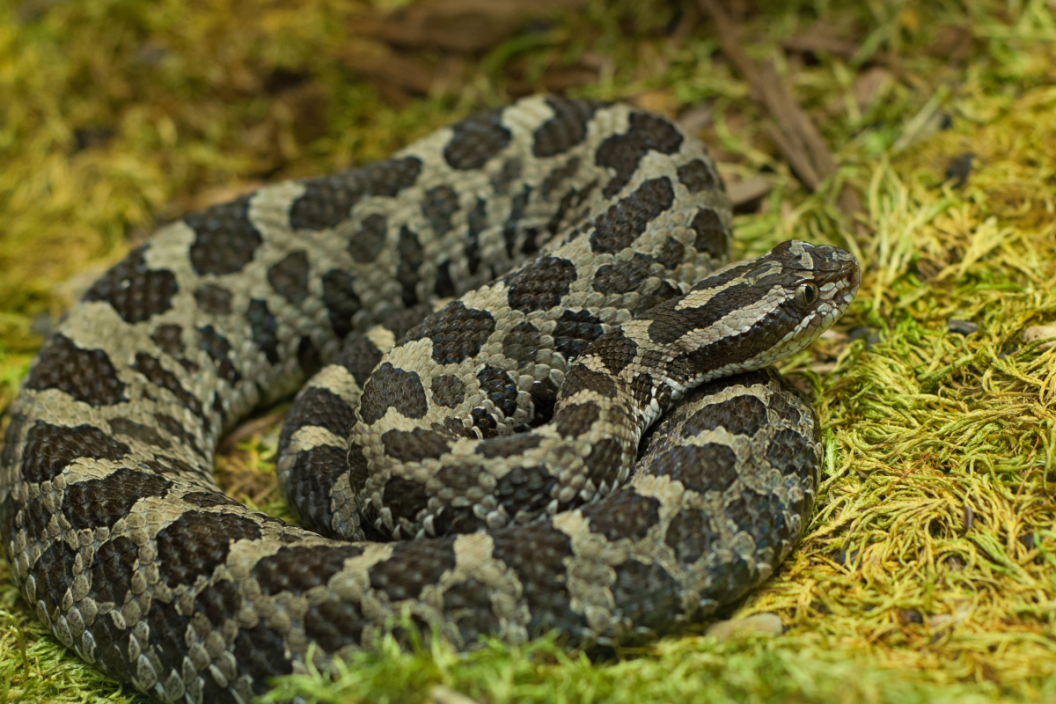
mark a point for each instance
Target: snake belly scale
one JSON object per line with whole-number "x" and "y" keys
{"x": 504, "y": 438}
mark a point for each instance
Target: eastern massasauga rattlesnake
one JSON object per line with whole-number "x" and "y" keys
{"x": 516, "y": 495}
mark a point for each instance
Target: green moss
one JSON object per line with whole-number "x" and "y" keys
{"x": 927, "y": 572}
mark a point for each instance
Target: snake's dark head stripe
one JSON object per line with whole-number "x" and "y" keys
{"x": 757, "y": 312}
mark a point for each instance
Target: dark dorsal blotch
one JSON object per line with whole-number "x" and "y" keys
{"x": 213, "y": 299}
{"x": 566, "y": 129}
{"x": 626, "y": 220}
{"x": 289, "y": 277}
{"x": 135, "y": 292}
{"x": 327, "y": 201}
{"x": 476, "y": 140}
{"x": 85, "y": 374}
{"x": 389, "y": 387}
{"x": 541, "y": 285}
{"x": 225, "y": 239}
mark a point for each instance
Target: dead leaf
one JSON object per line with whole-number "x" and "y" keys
{"x": 869, "y": 84}
{"x": 659, "y": 101}
{"x": 377, "y": 61}
{"x": 1040, "y": 332}
{"x": 466, "y": 26}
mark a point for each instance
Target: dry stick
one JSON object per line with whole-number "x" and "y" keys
{"x": 794, "y": 134}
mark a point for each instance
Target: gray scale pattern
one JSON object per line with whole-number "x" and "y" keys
{"x": 498, "y": 432}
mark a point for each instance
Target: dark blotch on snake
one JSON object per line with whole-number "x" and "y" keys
{"x": 574, "y": 331}
{"x": 622, "y": 152}
{"x": 762, "y": 516}
{"x": 510, "y": 172}
{"x": 341, "y": 300}
{"x": 196, "y": 543}
{"x": 521, "y": 342}
{"x": 207, "y": 499}
{"x": 311, "y": 481}
{"x": 412, "y": 567}
{"x": 390, "y": 387}
{"x": 225, "y": 240}
{"x": 696, "y": 176}
{"x": 468, "y": 604}
{"x": 567, "y": 127}
{"x": 690, "y": 535}
{"x": 498, "y": 387}
{"x": 414, "y": 445}
{"x": 298, "y": 569}
{"x": 625, "y": 221}
{"x": 615, "y": 350}
{"x": 98, "y": 503}
{"x": 672, "y": 253}
{"x": 369, "y": 240}
{"x": 407, "y": 271}
{"x": 477, "y": 221}
{"x": 260, "y": 653}
{"x": 176, "y": 430}
{"x": 525, "y": 489}
{"x": 712, "y": 236}
{"x": 334, "y": 624}
{"x": 112, "y": 569}
{"x": 536, "y": 554}
{"x": 792, "y": 453}
{"x": 508, "y": 446}
{"x": 557, "y": 177}
{"x": 456, "y": 332}
{"x": 475, "y": 140}
{"x": 265, "y": 329}
{"x": 513, "y": 223}
{"x": 438, "y": 207}
{"x": 137, "y": 431}
{"x": 53, "y": 572}
{"x": 669, "y": 325}
{"x": 152, "y": 369}
{"x": 404, "y": 497}
{"x": 579, "y": 378}
{"x": 218, "y": 348}
{"x": 448, "y": 391}
{"x": 604, "y": 462}
{"x": 289, "y": 277}
{"x": 541, "y": 285}
{"x": 327, "y": 201}
{"x": 623, "y": 514}
{"x": 645, "y": 594}
{"x": 169, "y": 339}
{"x": 213, "y": 299}
{"x": 318, "y": 408}
{"x": 51, "y": 448}
{"x": 219, "y": 602}
{"x": 625, "y": 276}
{"x": 86, "y": 375}
{"x": 359, "y": 356}
{"x": 702, "y": 468}
{"x": 135, "y": 292}
{"x": 743, "y": 414}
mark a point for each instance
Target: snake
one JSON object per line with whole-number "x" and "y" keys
{"x": 532, "y": 395}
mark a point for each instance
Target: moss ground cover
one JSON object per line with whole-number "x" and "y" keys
{"x": 929, "y": 570}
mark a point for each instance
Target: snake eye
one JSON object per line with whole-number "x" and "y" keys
{"x": 807, "y": 293}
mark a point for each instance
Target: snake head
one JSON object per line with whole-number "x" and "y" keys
{"x": 754, "y": 313}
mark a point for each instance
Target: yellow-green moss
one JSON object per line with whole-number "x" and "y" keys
{"x": 929, "y": 570}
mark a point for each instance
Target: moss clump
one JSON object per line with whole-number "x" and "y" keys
{"x": 926, "y": 574}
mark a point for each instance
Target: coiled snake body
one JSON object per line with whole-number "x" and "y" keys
{"x": 576, "y": 236}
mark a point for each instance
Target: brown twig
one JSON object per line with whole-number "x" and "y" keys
{"x": 794, "y": 133}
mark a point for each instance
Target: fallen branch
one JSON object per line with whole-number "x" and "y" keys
{"x": 794, "y": 133}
